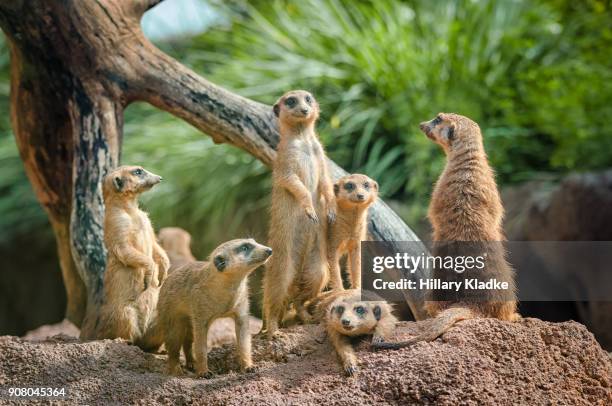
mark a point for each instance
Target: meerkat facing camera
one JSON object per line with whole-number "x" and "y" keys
{"x": 136, "y": 264}
{"x": 302, "y": 205}
{"x": 354, "y": 195}
{"x": 176, "y": 242}
{"x": 465, "y": 209}
{"x": 350, "y": 314}
{"x": 197, "y": 293}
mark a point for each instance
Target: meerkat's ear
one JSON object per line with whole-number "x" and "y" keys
{"x": 336, "y": 189}
{"x": 276, "y": 109}
{"x": 118, "y": 183}
{"x": 375, "y": 185}
{"x": 220, "y": 263}
{"x": 377, "y": 312}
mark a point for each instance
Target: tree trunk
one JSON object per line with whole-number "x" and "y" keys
{"x": 75, "y": 65}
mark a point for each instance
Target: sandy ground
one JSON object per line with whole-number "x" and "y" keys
{"x": 477, "y": 362}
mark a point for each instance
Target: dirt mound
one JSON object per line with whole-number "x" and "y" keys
{"x": 222, "y": 331}
{"x": 478, "y": 361}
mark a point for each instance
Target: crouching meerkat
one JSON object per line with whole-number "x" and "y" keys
{"x": 466, "y": 208}
{"x": 302, "y": 206}
{"x": 136, "y": 264}
{"x": 176, "y": 242}
{"x": 354, "y": 195}
{"x": 352, "y": 314}
{"x": 197, "y": 293}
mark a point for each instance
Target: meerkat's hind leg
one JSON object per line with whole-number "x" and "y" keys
{"x": 354, "y": 265}
{"x": 188, "y": 348}
{"x": 314, "y": 277}
{"x": 173, "y": 347}
{"x": 277, "y": 282}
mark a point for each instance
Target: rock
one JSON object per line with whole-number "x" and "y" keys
{"x": 482, "y": 361}
{"x": 579, "y": 208}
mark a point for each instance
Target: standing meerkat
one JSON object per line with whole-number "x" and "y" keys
{"x": 350, "y": 314}
{"x": 465, "y": 207}
{"x": 354, "y": 195}
{"x": 302, "y": 205}
{"x": 198, "y": 293}
{"x": 176, "y": 242}
{"x": 136, "y": 264}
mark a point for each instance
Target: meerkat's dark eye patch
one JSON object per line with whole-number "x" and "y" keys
{"x": 220, "y": 262}
{"x": 349, "y": 186}
{"x": 377, "y": 312}
{"x": 339, "y": 310}
{"x": 137, "y": 172}
{"x": 290, "y": 102}
{"x": 308, "y": 99}
{"x": 451, "y": 133}
{"x": 360, "y": 310}
{"x": 246, "y": 247}
{"x": 118, "y": 182}
{"x": 366, "y": 185}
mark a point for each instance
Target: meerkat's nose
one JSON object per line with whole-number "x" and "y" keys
{"x": 360, "y": 196}
{"x": 268, "y": 251}
{"x": 304, "y": 111}
{"x": 346, "y": 322}
{"x": 423, "y": 126}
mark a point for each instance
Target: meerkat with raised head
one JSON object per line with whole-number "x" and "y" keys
{"x": 198, "y": 293}
{"x": 465, "y": 211}
{"x": 136, "y": 263}
{"x": 176, "y": 242}
{"x": 353, "y": 314}
{"x": 302, "y": 206}
{"x": 354, "y": 195}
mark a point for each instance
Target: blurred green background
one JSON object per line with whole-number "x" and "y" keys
{"x": 536, "y": 75}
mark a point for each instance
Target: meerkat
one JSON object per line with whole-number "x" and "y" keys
{"x": 136, "y": 264}
{"x": 350, "y": 314}
{"x": 354, "y": 195}
{"x": 176, "y": 242}
{"x": 197, "y": 293}
{"x": 465, "y": 207}
{"x": 301, "y": 196}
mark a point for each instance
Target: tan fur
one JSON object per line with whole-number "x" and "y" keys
{"x": 176, "y": 242}
{"x": 136, "y": 264}
{"x": 377, "y": 321}
{"x": 354, "y": 195}
{"x": 302, "y": 205}
{"x": 466, "y": 206}
{"x": 197, "y": 293}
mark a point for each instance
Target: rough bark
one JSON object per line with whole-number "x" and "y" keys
{"x": 75, "y": 65}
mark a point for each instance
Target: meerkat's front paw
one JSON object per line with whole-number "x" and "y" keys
{"x": 377, "y": 340}
{"x": 249, "y": 369}
{"x": 149, "y": 272}
{"x": 331, "y": 215}
{"x": 205, "y": 374}
{"x": 350, "y": 369}
{"x": 174, "y": 370}
{"x": 312, "y": 214}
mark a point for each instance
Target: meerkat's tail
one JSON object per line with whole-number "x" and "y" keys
{"x": 440, "y": 325}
